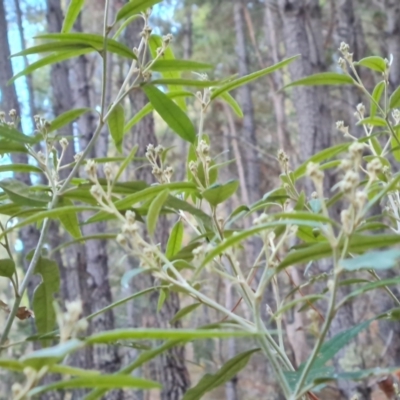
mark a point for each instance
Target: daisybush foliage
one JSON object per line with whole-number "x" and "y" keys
{"x": 293, "y": 227}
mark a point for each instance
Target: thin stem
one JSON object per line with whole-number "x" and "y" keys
{"x": 104, "y": 54}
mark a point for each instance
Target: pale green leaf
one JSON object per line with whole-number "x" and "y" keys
{"x": 116, "y": 123}
{"x": 179, "y": 65}
{"x": 154, "y": 211}
{"x": 66, "y": 118}
{"x": 174, "y": 243}
{"x": 374, "y": 62}
{"x": 74, "y": 8}
{"x": 135, "y": 7}
{"x": 323, "y": 78}
{"x": 217, "y": 193}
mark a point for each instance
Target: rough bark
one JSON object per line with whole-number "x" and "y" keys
{"x": 249, "y": 153}
{"x": 170, "y": 369}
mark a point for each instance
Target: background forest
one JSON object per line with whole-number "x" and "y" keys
{"x": 236, "y": 37}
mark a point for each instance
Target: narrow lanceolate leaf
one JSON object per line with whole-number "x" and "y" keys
{"x": 323, "y": 79}
{"x": 162, "y": 334}
{"x": 175, "y": 240}
{"x": 373, "y": 121}
{"x": 19, "y": 168}
{"x": 116, "y": 123}
{"x": 394, "y": 101}
{"x": 233, "y": 103}
{"x": 375, "y": 63}
{"x": 88, "y": 40}
{"x": 65, "y": 46}
{"x": 66, "y": 118}
{"x": 7, "y": 267}
{"x": 250, "y": 78}
{"x": 98, "y": 382}
{"x": 6, "y": 147}
{"x": 172, "y": 114}
{"x": 179, "y": 65}
{"x": 45, "y": 318}
{"x": 154, "y": 211}
{"x": 209, "y": 382}
{"x": 148, "y": 108}
{"x": 184, "y": 311}
{"x": 217, "y": 193}
{"x": 184, "y": 82}
{"x": 162, "y": 296}
{"x": 74, "y": 8}
{"x": 50, "y": 356}
{"x": 376, "y": 95}
{"x": 9, "y": 133}
{"x": 378, "y": 260}
{"x": 128, "y": 159}
{"x": 49, "y": 60}
{"x": 135, "y": 7}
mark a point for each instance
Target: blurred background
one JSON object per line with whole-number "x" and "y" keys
{"x": 237, "y": 37}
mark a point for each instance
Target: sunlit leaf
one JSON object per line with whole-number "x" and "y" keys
{"x": 74, "y": 8}
{"x": 373, "y": 121}
{"x": 375, "y": 63}
{"x": 135, "y": 7}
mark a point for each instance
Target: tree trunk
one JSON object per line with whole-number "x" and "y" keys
{"x": 249, "y": 154}
{"x": 171, "y": 367}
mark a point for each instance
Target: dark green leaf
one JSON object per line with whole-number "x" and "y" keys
{"x": 175, "y": 118}
{"x": 19, "y": 168}
{"x": 394, "y": 101}
{"x": 116, "y": 122}
{"x": 154, "y": 211}
{"x": 24, "y": 195}
{"x": 66, "y": 118}
{"x": 7, "y": 146}
{"x": 209, "y": 382}
{"x": 69, "y": 220}
{"x": 323, "y": 78}
{"x": 227, "y": 87}
{"x": 7, "y": 267}
{"x": 74, "y": 8}
{"x": 175, "y": 240}
{"x": 217, "y": 194}
{"x": 10, "y": 133}
{"x": 43, "y": 297}
{"x": 135, "y": 7}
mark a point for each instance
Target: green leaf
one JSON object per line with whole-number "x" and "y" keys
{"x": 7, "y": 146}
{"x": 184, "y": 311}
{"x": 51, "y": 59}
{"x": 70, "y": 220}
{"x": 83, "y": 39}
{"x": 102, "y": 381}
{"x": 183, "y": 82}
{"x": 51, "y": 355}
{"x": 179, "y": 65}
{"x": 126, "y": 278}
{"x": 175, "y": 118}
{"x": 209, "y": 382}
{"x": 74, "y": 8}
{"x": 323, "y": 79}
{"x": 358, "y": 243}
{"x": 148, "y": 108}
{"x": 217, "y": 194}
{"x": 66, "y": 118}
{"x": 378, "y": 260}
{"x": 12, "y": 365}
{"x": 139, "y": 361}
{"x": 233, "y": 104}
{"x": 162, "y": 334}
{"x": 10, "y": 133}
{"x": 394, "y": 101}
{"x": 128, "y": 159}
{"x": 155, "y": 43}
{"x": 377, "y": 95}
{"x": 373, "y": 121}
{"x": 395, "y": 148}
{"x": 43, "y": 297}
{"x": 116, "y": 123}
{"x": 24, "y": 195}
{"x": 375, "y": 63}
{"x": 19, "y": 168}
{"x": 174, "y": 243}
{"x": 162, "y": 296}
{"x": 135, "y": 7}
{"x": 54, "y": 47}
{"x": 7, "y": 267}
{"x": 227, "y": 87}
{"x": 154, "y": 211}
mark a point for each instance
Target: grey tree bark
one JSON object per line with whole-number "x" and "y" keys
{"x": 170, "y": 369}
{"x": 249, "y": 154}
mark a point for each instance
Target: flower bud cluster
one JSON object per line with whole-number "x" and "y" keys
{"x": 283, "y": 161}
{"x": 162, "y": 173}
{"x": 69, "y": 323}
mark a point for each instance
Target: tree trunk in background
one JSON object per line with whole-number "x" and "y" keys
{"x": 272, "y": 29}
{"x": 170, "y": 368}
{"x": 28, "y": 235}
{"x": 249, "y": 153}
{"x": 392, "y": 9}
